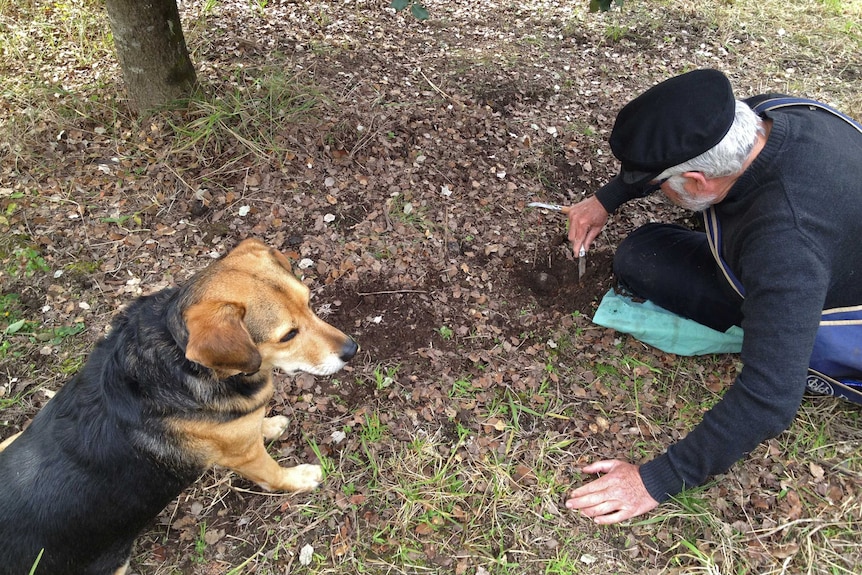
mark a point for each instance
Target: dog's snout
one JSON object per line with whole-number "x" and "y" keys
{"x": 348, "y": 350}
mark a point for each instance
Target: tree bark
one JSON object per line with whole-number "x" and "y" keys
{"x": 152, "y": 51}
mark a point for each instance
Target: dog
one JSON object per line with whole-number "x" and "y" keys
{"x": 180, "y": 383}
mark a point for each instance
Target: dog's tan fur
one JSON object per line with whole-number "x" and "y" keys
{"x": 220, "y": 337}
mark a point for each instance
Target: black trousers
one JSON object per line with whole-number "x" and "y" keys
{"x": 673, "y": 267}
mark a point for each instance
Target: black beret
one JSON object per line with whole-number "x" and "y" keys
{"x": 671, "y": 123}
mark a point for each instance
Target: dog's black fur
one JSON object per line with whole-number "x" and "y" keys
{"x": 127, "y": 464}
{"x": 101, "y": 459}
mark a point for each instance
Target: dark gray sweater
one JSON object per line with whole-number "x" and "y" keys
{"x": 792, "y": 234}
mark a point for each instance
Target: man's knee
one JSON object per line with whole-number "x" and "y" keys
{"x": 638, "y": 252}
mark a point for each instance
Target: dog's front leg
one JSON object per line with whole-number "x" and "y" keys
{"x": 274, "y": 426}
{"x": 259, "y": 467}
{"x": 238, "y": 445}
{"x": 264, "y": 471}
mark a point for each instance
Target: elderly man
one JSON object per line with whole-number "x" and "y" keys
{"x": 782, "y": 257}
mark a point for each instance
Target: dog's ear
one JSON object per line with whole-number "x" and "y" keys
{"x": 218, "y": 338}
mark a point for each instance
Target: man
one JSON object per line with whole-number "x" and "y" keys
{"x": 784, "y": 196}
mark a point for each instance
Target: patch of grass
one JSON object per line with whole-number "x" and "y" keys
{"x": 11, "y": 401}
{"x": 72, "y": 365}
{"x": 409, "y": 212}
{"x": 446, "y": 332}
{"x": 201, "y": 544}
{"x": 13, "y": 323}
{"x": 372, "y": 430}
{"x": 384, "y": 376}
{"x": 63, "y": 48}
{"x": 10, "y": 309}
{"x": 562, "y": 564}
{"x": 50, "y": 34}
{"x": 82, "y": 267}
{"x": 247, "y": 118}
{"x": 462, "y": 388}
{"x": 325, "y": 462}
{"x": 20, "y": 256}
{"x": 615, "y": 32}
{"x": 28, "y": 261}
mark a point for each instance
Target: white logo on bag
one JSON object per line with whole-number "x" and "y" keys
{"x": 819, "y": 385}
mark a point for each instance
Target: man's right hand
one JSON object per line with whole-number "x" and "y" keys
{"x": 586, "y": 220}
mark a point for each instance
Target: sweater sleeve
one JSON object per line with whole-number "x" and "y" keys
{"x": 615, "y": 193}
{"x": 782, "y": 312}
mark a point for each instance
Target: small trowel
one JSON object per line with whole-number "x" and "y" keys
{"x": 582, "y": 255}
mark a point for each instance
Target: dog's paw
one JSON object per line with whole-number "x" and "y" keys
{"x": 303, "y": 477}
{"x": 273, "y": 427}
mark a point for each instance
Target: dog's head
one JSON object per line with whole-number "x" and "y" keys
{"x": 247, "y": 312}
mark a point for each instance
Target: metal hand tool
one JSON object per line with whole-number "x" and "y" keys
{"x": 582, "y": 254}
{"x": 552, "y": 207}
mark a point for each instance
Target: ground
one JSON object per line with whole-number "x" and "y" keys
{"x": 392, "y": 161}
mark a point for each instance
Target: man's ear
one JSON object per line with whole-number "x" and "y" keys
{"x": 219, "y": 340}
{"x": 701, "y": 183}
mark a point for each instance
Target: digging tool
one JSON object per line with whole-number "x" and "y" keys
{"x": 582, "y": 254}
{"x": 552, "y": 207}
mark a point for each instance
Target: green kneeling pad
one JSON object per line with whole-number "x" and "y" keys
{"x": 662, "y": 329}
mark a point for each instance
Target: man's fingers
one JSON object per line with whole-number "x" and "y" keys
{"x": 602, "y": 512}
{"x": 611, "y": 518}
{"x": 578, "y": 236}
{"x": 603, "y": 466}
{"x": 585, "y": 497}
{"x": 586, "y": 220}
{"x": 598, "y": 509}
{"x": 594, "y": 491}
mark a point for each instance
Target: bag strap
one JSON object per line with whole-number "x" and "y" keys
{"x": 713, "y": 236}
{"x": 767, "y": 103}
{"x": 817, "y": 382}
{"x": 822, "y": 384}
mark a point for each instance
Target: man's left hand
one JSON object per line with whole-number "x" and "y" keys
{"x": 616, "y": 496}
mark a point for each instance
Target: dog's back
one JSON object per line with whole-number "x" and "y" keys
{"x": 77, "y": 540}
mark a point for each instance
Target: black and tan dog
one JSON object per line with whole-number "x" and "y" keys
{"x": 181, "y": 383}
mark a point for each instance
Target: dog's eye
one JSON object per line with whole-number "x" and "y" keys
{"x": 290, "y": 335}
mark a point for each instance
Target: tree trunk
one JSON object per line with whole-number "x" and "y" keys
{"x": 152, "y": 52}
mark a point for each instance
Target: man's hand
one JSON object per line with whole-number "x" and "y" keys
{"x": 586, "y": 220}
{"x": 616, "y": 496}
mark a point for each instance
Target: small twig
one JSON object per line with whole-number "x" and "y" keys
{"x": 433, "y": 85}
{"x": 757, "y": 535}
{"x": 391, "y": 292}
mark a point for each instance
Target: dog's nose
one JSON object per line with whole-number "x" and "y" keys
{"x": 348, "y": 350}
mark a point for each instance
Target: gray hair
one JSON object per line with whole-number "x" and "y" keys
{"x": 728, "y": 156}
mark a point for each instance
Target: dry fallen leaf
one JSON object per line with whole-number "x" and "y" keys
{"x": 816, "y": 471}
